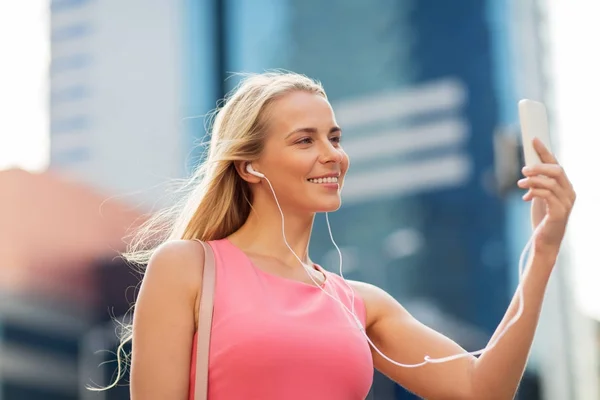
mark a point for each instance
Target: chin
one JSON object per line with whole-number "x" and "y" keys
{"x": 329, "y": 206}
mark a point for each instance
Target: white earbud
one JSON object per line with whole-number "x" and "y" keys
{"x": 252, "y": 171}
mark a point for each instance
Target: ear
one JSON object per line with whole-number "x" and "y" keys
{"x": 240, "y": 167}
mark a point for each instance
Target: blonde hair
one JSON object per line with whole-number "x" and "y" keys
{"x": 218, "y": 200}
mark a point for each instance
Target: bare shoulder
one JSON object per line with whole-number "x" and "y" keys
{"x": 370, "y": 293}
{"x": 178, "y": 261}
{"x": 185, "y": 256}
{"x": 177, "y": 266}
{"x": 378, "y": 302}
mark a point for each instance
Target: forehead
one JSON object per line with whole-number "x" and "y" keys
{"x": 300, "y": 110}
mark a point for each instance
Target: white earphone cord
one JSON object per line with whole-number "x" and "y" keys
{"x": 426, "y": 359}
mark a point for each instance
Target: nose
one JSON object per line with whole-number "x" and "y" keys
{"x": 331, "y": 153}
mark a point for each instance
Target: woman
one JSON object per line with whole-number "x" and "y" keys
{"x": 275, "y": 334}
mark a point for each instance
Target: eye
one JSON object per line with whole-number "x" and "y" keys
{"x": 306, "y": 140}
{"x": 336, "y": 139}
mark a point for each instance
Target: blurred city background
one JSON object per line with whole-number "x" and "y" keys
{"x": 102, "y": 105}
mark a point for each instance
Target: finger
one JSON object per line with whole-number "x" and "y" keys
{"x": 551, "y": 170}
{"x": 543, "y": 182}
{"x": 555, "y": 207}
{"x": 545, "y": 155}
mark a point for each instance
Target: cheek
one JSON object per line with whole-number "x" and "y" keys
{"x": 292, "y": 169}
{"x": 300, "y": 165}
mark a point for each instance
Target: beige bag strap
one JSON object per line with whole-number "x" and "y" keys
{"x": 204, "y": 323}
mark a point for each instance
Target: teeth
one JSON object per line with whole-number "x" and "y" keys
{"x": 332, "y": 179}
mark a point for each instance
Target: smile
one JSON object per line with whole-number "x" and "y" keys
{"x": 331, "y": 179}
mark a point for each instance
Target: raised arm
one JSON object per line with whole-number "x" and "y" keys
{"x": 495, "y": 374}
{"x": 165, "y": 321}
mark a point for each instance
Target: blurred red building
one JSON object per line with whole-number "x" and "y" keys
{"x": 52, "y": 231}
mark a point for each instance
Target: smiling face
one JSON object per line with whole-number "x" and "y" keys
{"x": 302, "y": 154}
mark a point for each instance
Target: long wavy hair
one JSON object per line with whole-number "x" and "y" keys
{"x": 216, "y": 201}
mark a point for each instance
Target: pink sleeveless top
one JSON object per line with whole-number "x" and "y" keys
{"x": 273, "y": 338}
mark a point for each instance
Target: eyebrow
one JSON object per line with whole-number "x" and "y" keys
{"x": 312, "y": 131}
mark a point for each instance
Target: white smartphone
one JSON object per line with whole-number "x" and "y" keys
{"x": 534, "y": 124}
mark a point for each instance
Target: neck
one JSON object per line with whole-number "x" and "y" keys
{"x": 262, "y": 234}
